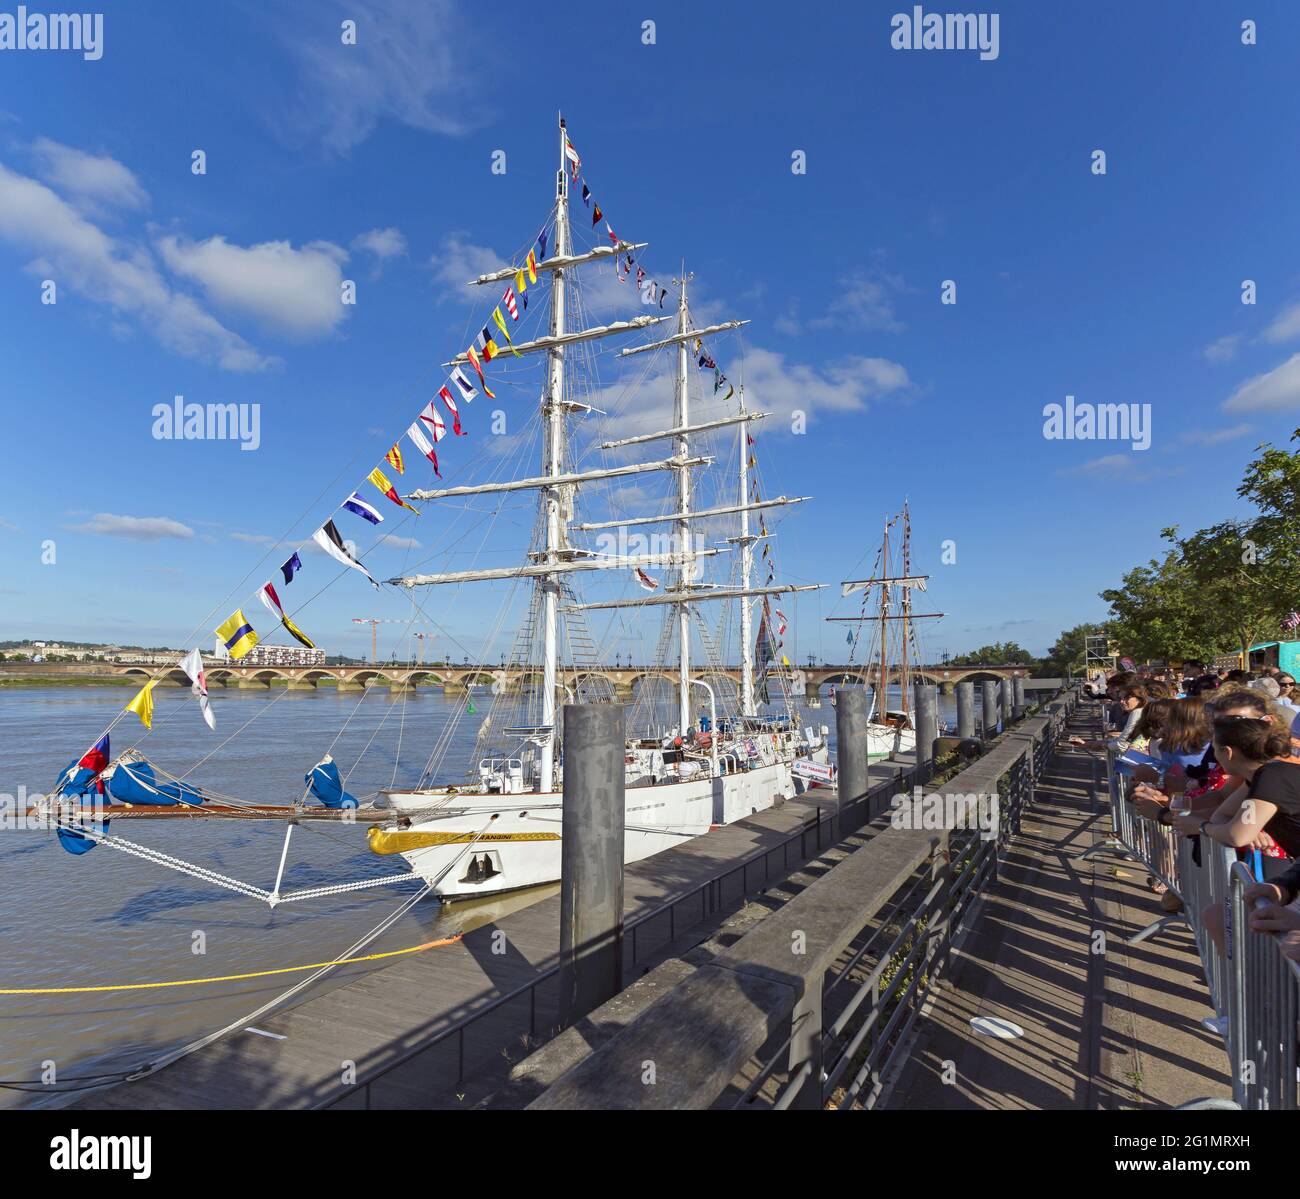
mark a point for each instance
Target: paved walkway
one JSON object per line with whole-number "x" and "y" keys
{"x": 1113, "y": 1029}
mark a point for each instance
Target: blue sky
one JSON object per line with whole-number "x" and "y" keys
{"x": 373, "y": 163}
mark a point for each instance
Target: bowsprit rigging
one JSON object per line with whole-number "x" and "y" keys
{"x": 710, "y": 758}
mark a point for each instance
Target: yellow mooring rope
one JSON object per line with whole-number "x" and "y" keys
{"x": 226, "y": 978}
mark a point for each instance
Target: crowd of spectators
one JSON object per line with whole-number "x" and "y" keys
{"x": 1218, "y": 758}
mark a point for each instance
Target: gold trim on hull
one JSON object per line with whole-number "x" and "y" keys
{"x": 386, "y": 841}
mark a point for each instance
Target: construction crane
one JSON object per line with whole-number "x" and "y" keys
{"x": 374, "y": 622}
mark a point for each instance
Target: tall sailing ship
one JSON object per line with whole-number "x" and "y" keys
{"x": 884, "y": 639}
{"x": 708, "y": 759}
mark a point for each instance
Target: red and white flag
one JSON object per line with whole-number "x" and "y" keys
{"x": 781, "y": 622}
{"x": 446, "y": 397}
{"x": 420, "y": 440}
{"x": 645, "y": 580}
{"x": 511, "y": 306}
{"x": 192, "y": 665}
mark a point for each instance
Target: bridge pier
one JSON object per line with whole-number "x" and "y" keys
{"x": 246, "y": 684}
{"x": 349, "y": 685}
{"x": 299, "y": 684}
{"x": 947, "y": 688}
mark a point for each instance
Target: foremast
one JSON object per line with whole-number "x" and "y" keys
{"x": 553, "y": 467}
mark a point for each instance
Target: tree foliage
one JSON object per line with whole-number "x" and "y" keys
{"x": 1224, "y": 587}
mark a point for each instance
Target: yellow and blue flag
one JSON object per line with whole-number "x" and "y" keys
{"x": 237, "y": 635}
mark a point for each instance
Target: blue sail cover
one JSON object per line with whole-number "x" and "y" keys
{"x": 74, "y": 782}
{"x": 135, "y": 783}
{"x": 326, "y": 785}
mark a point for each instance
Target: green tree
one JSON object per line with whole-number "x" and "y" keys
{"x": 1000, "y": 653}
{"x": 1068, "y": 653}
{"x": 1223, "y": 587}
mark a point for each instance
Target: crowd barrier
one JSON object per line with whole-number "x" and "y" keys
{"x": 1254, "y": 987}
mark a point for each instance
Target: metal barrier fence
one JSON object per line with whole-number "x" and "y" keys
{"x": 1253, "y": 986}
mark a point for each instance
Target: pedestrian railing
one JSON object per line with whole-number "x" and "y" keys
{"x": 1254, "y": 987}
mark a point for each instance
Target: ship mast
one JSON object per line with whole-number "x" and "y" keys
{"x": 681, "y": 421}
{"x": 907, "y": 605}
{"x": 553, "y": 466}
{"x": 746, "y": 568}
{"x": 884, "y": 626}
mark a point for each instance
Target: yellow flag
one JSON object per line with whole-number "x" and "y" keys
{"x": 501, "y": 324}
{"x": 382, "y": 483}
{"x": 532, "y": 267}
{"x": 142, "y": 705}
{"x": 237, "y": 635}
{"x": 784, "y": 660}
{"x": 520, "y": 285}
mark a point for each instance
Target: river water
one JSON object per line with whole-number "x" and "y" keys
{"x": 107, "y": 918}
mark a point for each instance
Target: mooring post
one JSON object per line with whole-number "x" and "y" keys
{"x": 990, "y": 731}
{"x": 1018, "y": 697}
{"x": 1006, "y": 702}
{"x": 966, "y": 709}
{"x": 927, "y": 726}
{"x": 591, "y": 859}
{"x": 851, "y": 778}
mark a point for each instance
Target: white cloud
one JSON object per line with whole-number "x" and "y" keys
{"x": 294, "y": 291}
{"x": 458, "y": 260}
{"x": 8, "y": 526}
{"x": 1270, "y": 392}
{"x": 643, "y": 402}
{"x": 1285, "y": 326}
{"x": 253, "y": 538}
{"x": 1224, "y": 349}
{"x": 79, "y": 255}
{"x": 414, "y": 61}
{"x": 1121, "y": 466}
{"x": 1215, "y": 436}
{"x": 382, "y": 243}
{"x": 862, "y": 301}
{"x": 134, "y": 528}
{"x": 399, "y": 543}
{"x": 93, "y": 182}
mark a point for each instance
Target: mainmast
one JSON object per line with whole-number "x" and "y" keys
{"x": 553, "y": 466}
{"x": 746, "y": 568}
{"x": 681, "y": 421}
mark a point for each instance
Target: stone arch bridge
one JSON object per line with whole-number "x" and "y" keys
{"x": 623, "y": 681}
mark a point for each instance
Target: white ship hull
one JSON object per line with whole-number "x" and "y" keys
{"x": 519, "y": 835}
{"x": 883, "y": 740}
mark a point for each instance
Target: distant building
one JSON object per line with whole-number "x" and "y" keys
{"x": 274, "y": 655}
